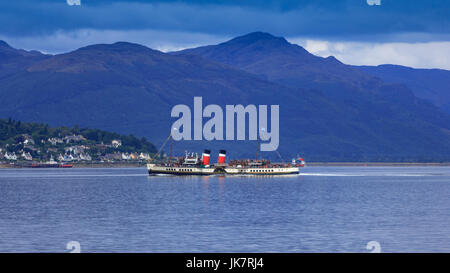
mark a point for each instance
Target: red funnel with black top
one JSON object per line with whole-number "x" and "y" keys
{"x": 205, "y": 157}
{"x": 222, "y": 157}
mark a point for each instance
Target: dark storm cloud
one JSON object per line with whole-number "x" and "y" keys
{"x": 348, "y": 19}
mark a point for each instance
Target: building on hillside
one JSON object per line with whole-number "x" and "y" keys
{"x": 85, "y": 157}
{"x": 27, "y": 156}
{"x": 73, "y": 138}
{"x": 116, "y": 143}
{"x": 79, "y": 149}
{"x": 10, "y": 156}
{"x": 28, "y": 142}
{"x": 112, "y": 157}
{"x": 144, "y": 156}
{"x": 55, "y": 140}
{"x": 126, "y": 156}
{"x": 67, "y": 157}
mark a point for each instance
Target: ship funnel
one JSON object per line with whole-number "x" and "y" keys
{"x": 302, "y": 162}
{"x": 222, "y": 157}
{"x": 205, "y": 157}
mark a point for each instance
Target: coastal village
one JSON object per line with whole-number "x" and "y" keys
{"x": 70, "y": 149}
{"x": 66, "y": 146}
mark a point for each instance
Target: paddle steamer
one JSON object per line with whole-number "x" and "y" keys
{"x": 192, "y": 164}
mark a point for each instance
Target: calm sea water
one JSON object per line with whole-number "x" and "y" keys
{"x": 325, "y": 209}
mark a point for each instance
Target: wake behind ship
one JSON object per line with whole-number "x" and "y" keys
{"x": 192, "y": 164}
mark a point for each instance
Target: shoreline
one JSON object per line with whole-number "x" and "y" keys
{"x": 92, "y": 165}
{"x": 4, "y": 165}
{"x": 378, "y": 164}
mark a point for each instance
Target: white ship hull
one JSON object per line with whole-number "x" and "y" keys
{"x": 262, "y": 171}
{"x": 193, "y": 170}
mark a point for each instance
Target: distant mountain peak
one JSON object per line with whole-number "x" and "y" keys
{"x": 4, "y": 44}
{"x": 5, "y": 48}
{"x": 333, "y": 59}
{"x": 258, "y": 36}
{"x": 118, "y": 46}
{"x": 128, "y": 45}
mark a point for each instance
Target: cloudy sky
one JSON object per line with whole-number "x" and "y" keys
{"x": 408, "y": 32}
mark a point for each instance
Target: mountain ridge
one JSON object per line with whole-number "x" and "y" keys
{"x": 256, "y": 56}
{"x": 130, "y": 88}
{"x": 430, "y": 84}
{"x": 291, "y": 65}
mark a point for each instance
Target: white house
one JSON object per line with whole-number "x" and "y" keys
{"x": 126, "y": 156}
{"x": 68, "y": 157}
{"x": 144, "y": 156}
{"x": 28, "y": 141}
{"x": 116, "y": 143}
{"x": 55, "y": 140}
{"x": 86, "y": 157}
{"x": 12, "y": 156}
{"x": 27, "y": 156}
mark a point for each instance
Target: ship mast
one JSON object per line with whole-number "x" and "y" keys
{"x": 165, "y": 142}
{"x": 170, "y": 150}
{"x": 257, "y": 147}
{"x": 259, "y": 142}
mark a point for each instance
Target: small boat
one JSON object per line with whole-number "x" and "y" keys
{"x": 45, "y": 165}
{"x": 51, "y": 164}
